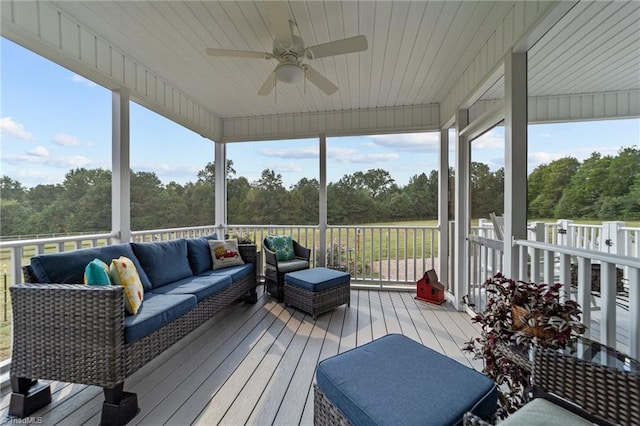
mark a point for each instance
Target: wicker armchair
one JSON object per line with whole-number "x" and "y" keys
{"x": 600, "y": 394}
{"x": 275, "y": 269}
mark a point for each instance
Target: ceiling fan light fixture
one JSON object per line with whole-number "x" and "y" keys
{"x": 289, "y": 73}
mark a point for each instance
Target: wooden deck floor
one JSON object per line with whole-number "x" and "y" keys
{"x": 255, "y": 364}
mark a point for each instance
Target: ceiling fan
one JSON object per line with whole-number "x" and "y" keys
{"x": 289, "y": 50}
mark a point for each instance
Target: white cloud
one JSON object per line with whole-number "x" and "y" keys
{"x": 12, "y": 128}
{"x": 419, "y": 142}
{"x": 38, "y": 151}
{"x": 489, "y": 140}
{"x": 285, "y": 167}
{"x": 537, "y": 158}
{"x": 341, "y": 155}
{"x": 372, "y": 158}
{"x": 305, "y": 152}
{"x": 38, "y": 156}
{"x": 81, "y": 80}
{"x": 65, "y": 140}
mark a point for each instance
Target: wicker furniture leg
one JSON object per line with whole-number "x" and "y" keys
{"x": 119, "y": 407}
{"x": 28, "y": 396}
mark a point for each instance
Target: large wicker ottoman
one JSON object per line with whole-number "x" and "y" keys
{"x": 396, "y": 381}
{"x": 317, "y": 290}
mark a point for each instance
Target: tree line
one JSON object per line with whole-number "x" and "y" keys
{"x": 601, "y": 187}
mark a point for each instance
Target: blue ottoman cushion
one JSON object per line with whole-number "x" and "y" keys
{"x": 396, "y": 381}
{"x": 316, "y": 279}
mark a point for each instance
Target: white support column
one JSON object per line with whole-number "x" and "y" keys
{"x": 120, "y": 165}
{"x": 462, "y": 211}
{"x": 322, "y": 213}
{"x": 221, "y": 188}
{"x": 443, "y": 207}
{"x": 515, "y": 170}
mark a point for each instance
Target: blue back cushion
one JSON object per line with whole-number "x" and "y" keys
{"x": 164, "y": 262}
{"x": 199, "y": 255}
{"x": 68, "y": 267}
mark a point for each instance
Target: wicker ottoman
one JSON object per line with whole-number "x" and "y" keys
{"x": 317, "y": 290}
{"x": 396, "y": 381}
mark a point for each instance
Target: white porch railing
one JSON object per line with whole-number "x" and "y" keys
{"x": 378, "y": 256}
{"x": 612, "y": 314}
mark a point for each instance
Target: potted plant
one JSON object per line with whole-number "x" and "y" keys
{"x": 518, "y": 315}
{"x": 243, "y": 238}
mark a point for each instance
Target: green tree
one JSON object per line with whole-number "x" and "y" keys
{"x": 547, "y": 183}
{"x": 208, "y": 174}
{"x": 11, "y": 189}
{"x": 580, "y": 199}
{"x": 305, "y": 201}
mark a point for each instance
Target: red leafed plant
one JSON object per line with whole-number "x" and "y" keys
{"x": 519, "y": 314}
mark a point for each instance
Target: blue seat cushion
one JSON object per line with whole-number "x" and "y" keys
{"x": 396, "y": 381}
{"x": 164, "y": 262}
{"x": 316, "y": 279}
{"x": 235, "y": 272}
{"x": 156, "y": 311}
{"x": 199, "y": 254}
{"x": 68, "y": 267}
{"x": 200, "y": 286}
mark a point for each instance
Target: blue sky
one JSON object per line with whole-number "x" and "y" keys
{"x": 52, "y": 120}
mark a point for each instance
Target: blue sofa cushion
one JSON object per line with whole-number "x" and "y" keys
{"x": 164, "y": 262}
{"x": 235, "y": 272}
{"x": 199, "y": 255}
{"x": 396, "y": 381}
{"x": 200, "y": 286}
{"x": 156, "y": 311}
{"x": 68, "y": 267}
{"x": 316, "y": 279}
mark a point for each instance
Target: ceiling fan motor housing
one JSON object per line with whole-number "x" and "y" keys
{"x": 282, "y": 48}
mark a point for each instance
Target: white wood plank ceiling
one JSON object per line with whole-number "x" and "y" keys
{"x": 418, "y": 50}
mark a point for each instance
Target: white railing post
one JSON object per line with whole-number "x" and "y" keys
{"x": 634, "y": 313}
{"x": 608, "y": 308}
{"x": 538, "y": 235}
{"x": 565, "y": 232}
{"x": 584, "y": 291}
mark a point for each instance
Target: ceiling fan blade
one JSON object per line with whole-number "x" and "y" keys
{"x": 268, "y": 85}
{"x": 338, "y": 47}
{"x": 320, "y": 81}
{"x": 278, "y": 18}
{"x": 238, "y": 53}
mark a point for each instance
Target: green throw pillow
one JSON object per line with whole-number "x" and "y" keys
{"x": 97, "y": 273}
{"x": 282, "y": 245}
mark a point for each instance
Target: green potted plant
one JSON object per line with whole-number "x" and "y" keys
{"x": 518, "y": 315}
{"x": 243, "y": 238}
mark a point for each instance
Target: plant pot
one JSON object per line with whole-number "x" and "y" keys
{"x": 519, "y": 316}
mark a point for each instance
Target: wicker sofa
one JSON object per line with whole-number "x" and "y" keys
{"x": 80, "y": 334}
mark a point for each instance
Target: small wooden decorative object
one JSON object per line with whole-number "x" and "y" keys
{"x": 430, "y": 289}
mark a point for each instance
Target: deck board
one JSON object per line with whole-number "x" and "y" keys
{"x": 255, "y": 364}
